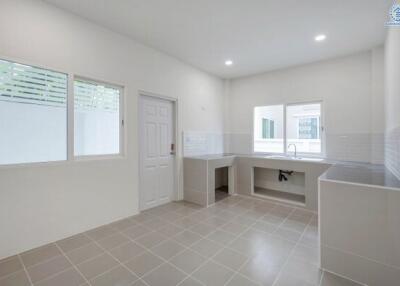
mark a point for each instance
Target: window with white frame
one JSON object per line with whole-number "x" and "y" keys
{"x": 301, "y": 123}
{"x": 97, "y": 118}
{"x": 34, "y": 110}
{"x": 268, "y": 129}
{"x": 33, "y": 114}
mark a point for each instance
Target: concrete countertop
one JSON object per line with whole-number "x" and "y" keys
{"x": 365, "y": 174}
{"x": 340, "y": 171}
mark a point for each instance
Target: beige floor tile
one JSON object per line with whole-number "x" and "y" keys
{"x": 127, "y": 251}
{"x": 165, "y": 275}
{"x": 264, "y": 226}
{"x": 287, "y": 234}
{"x": 255, "y": 235}
{"x": 221, "y": 237}
{"x": 101, "y": 232}
{"x": 10, "y": 265}
{"x": 310, "y": 237}
{"x": 190, "y": 282}
{"x": 329, "y": 279}
{"x": 97, "y": 266}
{"x": 185, "y": 222}
{"x": 294, "y": 225}
{"x": 151, "y": 239}
{"x": 136, "y": 231}
{"x": 70, "y": 277}
{"x": 40, "y": 254}
{"x": 144, "y": 263}
{"x": 155, "y": 223}
{"x": 73, "y": 242}
{"x": 240, "y": 280}
{"x": 303, "y": 271}
{"x": 139, "y": 283}
{"x": 84, "y": 253}
{"x": 123, "y": 224}
{"x": 118, "y": 276}
{"x": 230, "y": 258}
{"x": 305, "y": 253}
{"x": 248, "y": 247}
{"x": 168, "y": 249}
{"x": 172, "y": 216}
{"x": 15, "y": 279}
{"x": 212, "y": 274}
{"x": 272, "y": 219}
{"x": 188, "y": 261}
{"x": 113, "y": 241}
{"x": 170, "y": 230}
{"x": 234, "y": 228}
{"x": 206, "y": 247}
{"x": 277, "y": 246}
{"x": 244, "y": 220}
{"x": 143, "y": 217}
{"x": 202, "y": 229}
{"x": 43, "y": 270}
{"x": 187, "y": 237}
{"x": 216, "y": 221}
{"x": 263, "y": 269}
{"x": 285, "y": 279}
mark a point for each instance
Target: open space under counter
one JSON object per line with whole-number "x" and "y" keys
{"x": 254, "y": 175}
{"x": 259, "y": 176}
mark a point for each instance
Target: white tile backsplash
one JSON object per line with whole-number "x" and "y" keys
{"x": 359, "y": 147}
{"x": 201, "y": 143}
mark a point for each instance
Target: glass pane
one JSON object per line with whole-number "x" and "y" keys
{"x": 96, "y": 119}
{"x": 33, "y": 114}
{"x": 268, "y": 129}
{"x": 303, "y": 127}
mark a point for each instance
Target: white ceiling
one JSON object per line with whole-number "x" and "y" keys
{"x": 258, "y": 35}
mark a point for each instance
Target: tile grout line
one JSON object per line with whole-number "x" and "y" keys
{"x": 73, "y": 265}
{"x": 112, "y": 268}
{"x": 187, "y": 248}
{"x": 290, "y": 253}
{"x": 226, "y": 247}
{"x": 25, "y": 270}
{"x": 163, "y": 259}
{"x": 184, "y": 215}
{"x": 239, "y": 236}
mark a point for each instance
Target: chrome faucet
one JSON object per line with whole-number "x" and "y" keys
{"x": 295, "y": 149}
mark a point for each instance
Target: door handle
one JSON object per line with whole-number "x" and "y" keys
{"x": 172, "y": 149}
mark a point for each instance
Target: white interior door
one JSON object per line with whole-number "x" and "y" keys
{"x": 156, "y": 151}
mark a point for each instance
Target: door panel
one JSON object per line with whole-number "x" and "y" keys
{"x": 156, "y": 161}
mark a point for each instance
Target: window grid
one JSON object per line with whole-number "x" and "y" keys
{"x": 311, "y": 129}
{"x": 27, "y": 85}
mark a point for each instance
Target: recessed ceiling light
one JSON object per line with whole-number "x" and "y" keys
{"x": 228, "y": 62}
{"x": 320, "y": 38}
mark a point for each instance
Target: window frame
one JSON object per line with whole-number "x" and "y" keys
{"x": 70, "y": 158}
{"x": 322, "y": 154}
{"x": 121, "y": 125}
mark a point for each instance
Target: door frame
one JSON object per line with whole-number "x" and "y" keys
{"x": 143, "y": 94}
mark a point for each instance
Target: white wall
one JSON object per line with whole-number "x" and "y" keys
{"x": 43, "y": 203}
{"x": 345, "y": 87}
{"x": 392, "y": 100}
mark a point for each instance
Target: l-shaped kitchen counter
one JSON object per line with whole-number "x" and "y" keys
{"x": 358, "y": 207}
{"x": 199, "y": 173}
